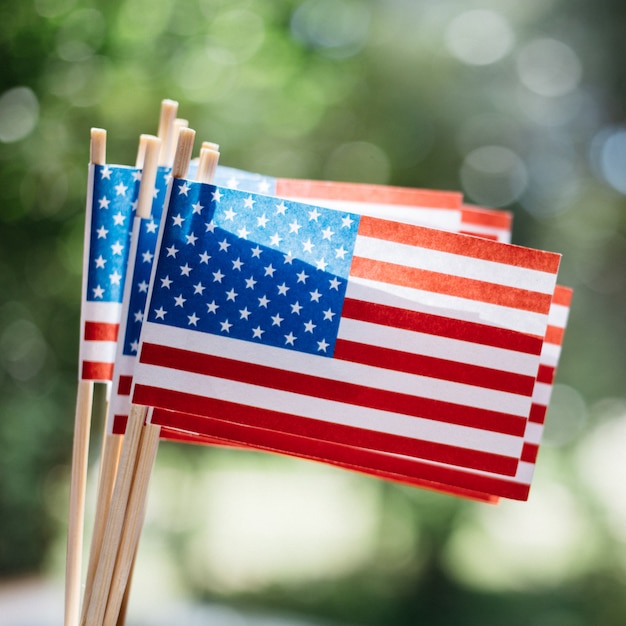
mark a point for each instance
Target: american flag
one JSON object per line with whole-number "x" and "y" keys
{"x": 434, "y": 208}
{"x": 344, "y": 329}
{"x": 141, "y": 255}
{"x": 110, "y": 204}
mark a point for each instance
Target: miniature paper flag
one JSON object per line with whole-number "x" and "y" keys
{"x": 460, "y": 482}
{"x": 345, "y": 329}
{"x": 110, "y": 203}
{"x": 434, "y": 208}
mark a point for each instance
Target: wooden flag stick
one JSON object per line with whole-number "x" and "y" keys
{"x": 169, "y": 109}
{"x": 80, "y": 450}
{"x": 109, "y": 459}
{"x": 178, "y": 124}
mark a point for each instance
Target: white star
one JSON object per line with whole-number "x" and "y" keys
{"x": 199, "y": 288}
{"x": 143, "y": 287}
{"x": 257, "y": 332}
{"x": 282, "y": 289}
{"x": 269, "y": 270}
{"x": 230, "y": 214}
{"x": 172, "y": 251}
{"x": 224, "y": 245}
{"x": 178, "y": 220}
{"x": 340, "y": 253}
{"x": 256, "y": 252}
{"x": 262, "y": 221}
{"x": 334, "y": 283}
{"x": 115, "y": 278}
{"x": 183, "y": 190}
{"x": 243, "y": 232}
{"x": 104, "y": 203}
{"x": 295, "y": 308}
{"x": 244, "y": 313}
{"x": 294, "y": 227}
{"x": 275, "y": 239}
{"x": 346, "y": 221}
{"x": 160, "y": 313}
{"x": 328, "y": 315}
{"x": 307, "y": 245}
{"x": 100, "y": 261}
{"x": 290, "y": 338}
{"x": 216, "y": 196}
{"x": 277, "y": 320}
{"x": 120, "y": 189}
{"x": 134, "y": 346}
{"x": 137, "y": 176}
{"x": 322, "y": 345}
{"x": 321, "y": 264}
{"x": 281, "y": 208}
{"x": 289, "y": 258}
{"x": 197, "y": 208}
{"x": 106, "y": 172}
{"x": 210, "y": 226}
{"x": 117, "y": 248}
{"x": 232, "y": 183}
{"x": 264, "y": 186}
{"x": 118, "y": 219}
{"x": 180, "y": 301}
{"x": 191, "y": 239}
{"x": 313, "y": 215}
{"x": 185, "y": 270}
{"x": 264, "y": 301}
{"x": 193, "y": 319}
{"x": 231, "y": 295}
{"x": 204, "y": 257}
{"x": 250, "y": 283}
{"x": 309, "y": 326}
{"x": 217, "y": 276}
{"x": 98, "y": 292}
{"x": 139, "y": 316}
{"x": 248, "y": 202}
{"x": 102, "y": 232}
{"x": 237, "y": 264}
{"x": 166, "y": 282}
{"x": 225, "y": 326}
{"x": 147, "y": 256}
{"x": 152, "y": 227}
{"x": 302, "y": 276}
{"x": 327, "y": 233}
{"x": 315, "y": 296}
{"x": 212, "y": 306}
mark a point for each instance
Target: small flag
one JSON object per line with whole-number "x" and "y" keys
{"x": 344, "y": 328}
{"x": 110, "y": 203}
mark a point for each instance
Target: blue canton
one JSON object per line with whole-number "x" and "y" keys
{"x": 146, "y": 249}
{"x": 253, "y": 267}
{"x": 115, "y": 191}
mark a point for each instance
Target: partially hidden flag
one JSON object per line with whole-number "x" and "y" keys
{"x": 112, "y": 193}
{"x": 344, "y": 329}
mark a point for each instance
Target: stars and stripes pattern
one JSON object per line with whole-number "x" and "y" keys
{"x": 436, "y": 351}
{"x": 110, "y": 207}
{"x": 142, "y": 252}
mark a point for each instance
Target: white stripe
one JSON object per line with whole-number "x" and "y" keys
{"x": 438, "y": 347}
{"x": 447, "y": 306}
{"x": 503, "y": 235}
{"x": 533, "y": 432}
{"x": 542, "y": 393}
{"x": 99, "y": 351}
{"x": 443, "y": 219}
{"x": 558, "y": 315}
{"x": 342, "y": 371}
{"x": 454, "y": 264}
{"x": 330, "y": 411}
{"x": 108, "y": 312}
{"x": 550, "y": 353}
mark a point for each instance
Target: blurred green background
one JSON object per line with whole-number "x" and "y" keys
{"x": 521, "y": 105}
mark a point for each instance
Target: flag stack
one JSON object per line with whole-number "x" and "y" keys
{"x": 391, "y": 331}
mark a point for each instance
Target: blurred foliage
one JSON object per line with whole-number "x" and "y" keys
{"x": 520, "y": 105}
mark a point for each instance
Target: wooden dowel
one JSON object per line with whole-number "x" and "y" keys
{"x": 184, "y": 149}
{"x": 148, "y": 176}
{"x": 171, "y": 147}
{"x": 98, "y": 146}
{"x": 207, "y": 164}
{"x": 169, "y": 108}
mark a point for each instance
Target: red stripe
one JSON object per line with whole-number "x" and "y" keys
{"x": 441, "y": 326}
{"x": 447, "y": 284}
{"x": 479, "y": 234}
{"x": 546, "y": 374}
{"x": 454, "y": 243}
{"x": 101, "y": 331}
{"x": 554, "y": 335}
{"x": 119, "y": 424}
{"x": 124, "y": 385}
{"x": 537, "y": 413}
{"x": 433, "y": 367}
{"x": 487, "y": 217}
{"x": 329, "y": 389}
{"x": 411, "y": 471}
{"x": 563, "y": 295}
{"x": 92, "y": 370}
{"x": 359, "y": 192}
{"x": 529, "y": 452}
